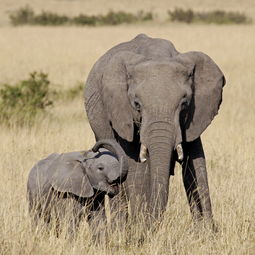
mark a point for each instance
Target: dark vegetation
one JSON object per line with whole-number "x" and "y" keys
{"x": 22, "y": 102}
{"x": 26, "y": 15}
{"x": 217, "y": 17}
{"x": 26, "y": 99}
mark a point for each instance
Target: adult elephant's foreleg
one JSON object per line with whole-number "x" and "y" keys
{"x": 195, "y": 180}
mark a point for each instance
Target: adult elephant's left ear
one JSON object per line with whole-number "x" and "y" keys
{"x": 207, "y": 93}
{"x": 115, "y": 92}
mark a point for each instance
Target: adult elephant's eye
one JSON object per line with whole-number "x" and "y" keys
{"x": 100, "y": 167}
{"x": 184, "y": 104}
{"x": 137, "y": 105}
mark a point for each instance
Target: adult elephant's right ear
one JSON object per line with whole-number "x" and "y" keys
{"x": 69, "y": 176}
{"x": 115, "y": 92}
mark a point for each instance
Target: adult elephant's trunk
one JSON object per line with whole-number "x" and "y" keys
{"x": 160, "y": 147}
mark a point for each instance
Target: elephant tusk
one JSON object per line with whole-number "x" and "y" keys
{"x": 143, "y": 153}
{"x": 179, "y": 152}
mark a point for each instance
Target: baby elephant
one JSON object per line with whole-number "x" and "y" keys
{"x": 66, "y": 185}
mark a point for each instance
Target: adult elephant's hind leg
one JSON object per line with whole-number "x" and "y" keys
{"x": 196, "y": 182}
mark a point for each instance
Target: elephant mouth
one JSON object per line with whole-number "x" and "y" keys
{"x": 114, "y": 189}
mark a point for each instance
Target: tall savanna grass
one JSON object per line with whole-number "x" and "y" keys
{"x": 67, "y": 55}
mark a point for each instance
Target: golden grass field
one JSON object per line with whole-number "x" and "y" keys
{"x": 67, "y": 55}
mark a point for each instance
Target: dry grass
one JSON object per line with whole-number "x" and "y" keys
{"x": 67, "y": 54}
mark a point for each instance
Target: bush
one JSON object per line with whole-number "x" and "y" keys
{"x": 74, "y": 92}
{"x": 120, "y": 17}
{"x": 22, "y": 102}
{"x": 222, "y": 17}
{"x": 112, "y": 18}
{"x": 144, "y": 16}
{"x": 217, "y": 17}
{"x": 50, "y": 19}
{"x": 70, "y": 93}
{"x": 85, "y": 20}
{"x": 115, "y": 18}
{"x": 26, "y": 15}
{"x": 181, "y": 15}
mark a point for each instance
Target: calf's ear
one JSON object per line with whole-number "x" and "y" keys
{"x": 69, "y": 176}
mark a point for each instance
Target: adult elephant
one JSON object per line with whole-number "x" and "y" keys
{"x": 155, "y": 102}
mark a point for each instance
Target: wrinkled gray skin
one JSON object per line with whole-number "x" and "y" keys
{"x": 79, "y": 178}
{"x": 145, "y": 92}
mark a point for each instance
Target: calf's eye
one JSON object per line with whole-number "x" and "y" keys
{"x": 100, "y": 167}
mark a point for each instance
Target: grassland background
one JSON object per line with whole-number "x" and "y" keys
{"x": 67, "y": 54}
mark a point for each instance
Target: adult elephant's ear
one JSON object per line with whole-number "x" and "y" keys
{"x": 68, "y": 175}
{"x": 207, "y": 93}
{"x": 115, "y": 92}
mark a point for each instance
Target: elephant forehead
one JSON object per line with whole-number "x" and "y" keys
{"x": 70, "y": 156}
{"x": 107, "y": 157}
{"x": 150, "y": 69}
{"x": 160, "y": 80}
{"x": 158, "y": 86}
{"x": 113, "y": 165}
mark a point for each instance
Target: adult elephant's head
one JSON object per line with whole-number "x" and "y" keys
{"x": 170, "y": 100}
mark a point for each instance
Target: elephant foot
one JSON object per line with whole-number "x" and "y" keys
{"x": 201, "y": 221}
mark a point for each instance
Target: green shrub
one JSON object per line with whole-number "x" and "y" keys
{"x": 22, "y": 102}
{"x": 181, "y": 15}
{"x": 217, "y": 17}
{"x": 120, "y": 17}
{"x": 85, "y": 20}
{"x": 24, "y": 15}
{"x": 50, "y": 19}
{"x": 144, "y": 16}
{"x": 112, "y": 18}
{"x": 75, "y": 91}
{"x": 70, "y": 93}
{"x": 222, "y": 17}
{"x": 115, "y": 18}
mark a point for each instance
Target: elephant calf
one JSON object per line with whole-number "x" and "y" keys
{"x": 65, "y": 184}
